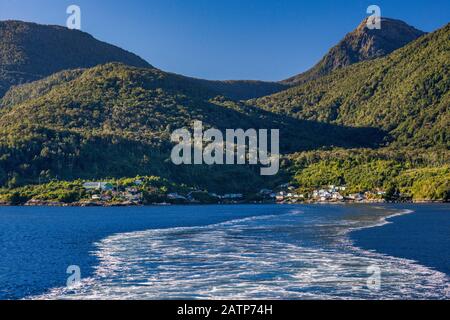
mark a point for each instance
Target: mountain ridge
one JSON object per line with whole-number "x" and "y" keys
{"x": 31, "y": 51}
{"x": 63, "y": 121}
{"x": 405, "y": 93}
{"x": 115, "y": 120}
{"x": 360, "y": 45}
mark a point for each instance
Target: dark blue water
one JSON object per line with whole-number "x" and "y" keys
{"x": 423, "y": 236}
{"x": 223, "y": 251}
{"x": 37, "y": 244}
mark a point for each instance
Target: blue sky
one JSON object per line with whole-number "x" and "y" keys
{"x": 226, "y": 39}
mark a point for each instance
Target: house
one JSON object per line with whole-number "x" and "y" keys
{"x": 106, "y": 197}
{"x": 175, "y": 196}
{"x": 324, "y": 194}
{"x": 333, "y": 188}
{"x": 357, "y": 197}
{"x": 337, "y": 196}
{"x": 233, "y": 196}
{"x": 265, "y": 192}
{"x": 133, "y": 197}
{"x": 96, "y": 197}
{"x": 102, "y": 186}
{"x": 131, "y": 190}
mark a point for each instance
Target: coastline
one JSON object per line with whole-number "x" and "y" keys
{"x": 41, "y": 203}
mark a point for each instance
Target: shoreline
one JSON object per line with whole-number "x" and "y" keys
{"x": 37, "y": 203}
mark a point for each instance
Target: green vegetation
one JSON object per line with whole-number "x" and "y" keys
{"x": 29, "y": 52}
{"x": 155, "y": 189}
{"x": 418, "y": 175}
{"x": 405, "y": 94}
{"x": 114, "y": 121}
{"x": 376, "y": 125}
{"x": 65, "y": 192}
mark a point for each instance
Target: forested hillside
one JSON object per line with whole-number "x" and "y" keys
{"x": 30, "y": 51}
{"x": 405, "y": 94}
{"x": 379, "y": 124}
{"x": 114, "y": 120}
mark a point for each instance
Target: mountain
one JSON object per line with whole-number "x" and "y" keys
{"x": 405, "y": 93}
{"x": 360, "y": 45}
{"x": 370, "y": 122}
{"x": 115, "y": 120}
{"x": 30, "y": 51}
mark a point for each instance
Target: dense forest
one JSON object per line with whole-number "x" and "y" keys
{"x": 417, "y": 174}
{"x": 377, "y": 124}
{"x": 114, "y": 120}
{"x": 405, "y": 94}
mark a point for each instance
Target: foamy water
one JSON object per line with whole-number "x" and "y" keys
{"x": 288, "y": 256}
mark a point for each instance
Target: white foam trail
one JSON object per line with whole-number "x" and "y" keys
{"x": 383, "y": 220}
{"x": 245, "y": 259}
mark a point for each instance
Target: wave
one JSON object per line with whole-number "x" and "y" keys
{"x": 253, "y": 258}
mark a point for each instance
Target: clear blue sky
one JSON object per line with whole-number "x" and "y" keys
{"x": 226, "y": 39}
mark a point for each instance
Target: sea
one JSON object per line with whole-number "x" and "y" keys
{"x": 296, "y": 252}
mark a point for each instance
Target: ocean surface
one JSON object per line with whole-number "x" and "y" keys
{"x": 221, "y": 252}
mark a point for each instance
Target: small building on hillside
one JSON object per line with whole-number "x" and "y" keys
{"x": 96, "y": 197}
{"x": 98, "y": 186}
{"x": 134, "y": 197}
{"x": 265, "y": 192}
{"x": 357, "y": 197}
{"x": 233, "y": 196}
{"x": 176, "y": 196}
{"x": 132, "y": 190}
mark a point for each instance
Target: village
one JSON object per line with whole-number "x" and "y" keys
{"x": 331, "y": 193}
{"x": 104, "y": 193}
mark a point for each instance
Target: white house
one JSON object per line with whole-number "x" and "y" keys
{"x": 176, "y": 196}
{"x": 103, "y": 186}
{"x": 357, "y": 197}
{"x": 233, "y": 196}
